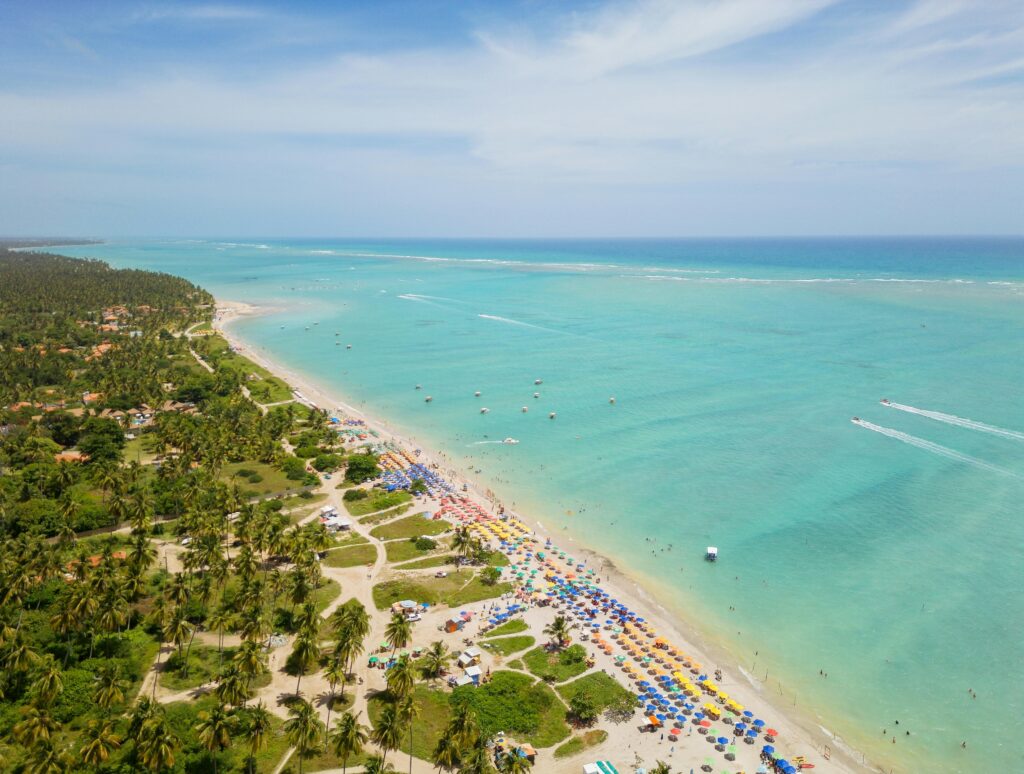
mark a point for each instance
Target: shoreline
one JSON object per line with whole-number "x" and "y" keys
{"x": 804, "y": 729}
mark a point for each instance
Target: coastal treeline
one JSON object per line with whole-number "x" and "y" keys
{"x": 116, "y": 436}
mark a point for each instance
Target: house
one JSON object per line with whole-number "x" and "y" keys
{"x": 469, "y": 657}
{"x": 406, "y": 607}
{"x": 474, "y": 673}
{"x": 457, "y": 622}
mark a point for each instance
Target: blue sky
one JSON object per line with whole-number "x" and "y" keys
{"x": 528, "y": 118}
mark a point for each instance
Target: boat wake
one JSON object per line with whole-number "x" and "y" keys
{"x": 934, "y": 448}
{"x": 952, "y": 419}
{"x": 520, "y": 323}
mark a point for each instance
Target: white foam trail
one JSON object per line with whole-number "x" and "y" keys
{"x": 483, "y": 443}
{"x": 934, "y": 448}
{"x": 952, "y": 419}
{"x": 519, "y": 322}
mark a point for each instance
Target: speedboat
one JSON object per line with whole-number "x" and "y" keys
{"x": 476, "y": 394}
{"x": 419, "y": 387}
{"x": 538, "y": 381}
{"x": 884, "y": 401}
{"x": 552, "y": 415}
{"x": 510, "y": 441}
{"x": 428, "y": 399}
{"x": 855, "y": 419}
{"x": 485, "y": 411}
{"x": 536, "y": 394}
{"x": 711, "y": 554}
{"x": 348, "y": 346}
{"x": 525, "y": 409}
{"x": 612, "y": 401}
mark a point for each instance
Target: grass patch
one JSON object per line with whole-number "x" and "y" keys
{"x": 266, "y": 479}
{"x": 476, "y": 590}
{"x": 578, "y": 744}
{"x": 404, "y": 550}
{"x": 410, "y": 526}
{"x": 603, "y": 689}
{"x": 353, "y": 556}
{"x": 379, "y": 500}
{"x": 202, "y": 668}
{"x": 514, "y": 703}
{"x": 509, "y": 627}
{"x": 324, "y": 595}
{"x": 392, "y": 513}
{"x": 506, "y": 646}
{"x": 516, "y": 664}
{"x": 430, "y": 561}
{"x": 140, "y": 449}
{"x": 458, "y": 588}
{"x": 556, "y": 666}
{"x": 427, "y": 728}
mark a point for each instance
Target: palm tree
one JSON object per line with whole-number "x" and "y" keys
{"x": 463, "y": 726}
{"x": 477, "y": 759}
{"x": 464, "y": 543}
{"x": 303, "y": 729}
{"x": 376, "y": 764}
{"x": 100, "y": 742}
{"x": 436, "y": 659}
{"x": 401, "y": 678}
{"x": 219, "y": 621}
{"x": 558, "y": 631}
{"x": 408, "y": 711}
{"x": 45, "y": 759}
{"x": 35, "y": 727}
{"x": 511, "y": 762}
{"x": 156, "y": 743}
{"x": 249, "y": 661}
{"x": 109, "y": 687}
{"x": 305, "y": 653}
{"x": 214, "y": 731}
{"x": 48, "y": 683}
{"x": 446, "y": 753}
{"x": 348, "y": 738}
{"x": 334, "y": 673}
{"x": 398, "y": 632}
{"x": 256, "y": 730}
{"x": 387, "y": 731}
{"x": 662, "y": 768}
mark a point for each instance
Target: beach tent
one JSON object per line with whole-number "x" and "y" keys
{"x": 474, "y": 673}
{"x": 464, "y": 680}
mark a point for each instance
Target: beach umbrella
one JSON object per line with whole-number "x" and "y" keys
{"x": 705, "y": 723}
{"x": 751, "y": 734}
{"x": 748, "y": 714}
{"x": 723, "y": 741}
{"x": 768, "y": 750}
{"x": 741, "y": 726}
{"x": 758, "y": 723}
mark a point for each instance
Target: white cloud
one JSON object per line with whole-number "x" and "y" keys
{"x": 623, "y": 98}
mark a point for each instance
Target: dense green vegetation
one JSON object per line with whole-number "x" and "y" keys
{"x": 506, "y": 646}
{"x": 514, "y": 703}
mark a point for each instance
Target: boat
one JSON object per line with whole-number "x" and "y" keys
{"x": 485, "y": 410}
{"x": 337, "y": 343}
{"x": 711, "y": 554}
{"x": 282, "y": 327}
{"x": 536, "y": 394}
{"x": 476, "y": 394}
{"x": 525, "y": 409}
{"x": 348, "y": 346}
{"x": 552, "y": 415}
{"x": 510, "y": 441}
{"x": 428, "y": 399}
{"x": 885, "y": 402}
{"x": 419, "y": 386}
{"x": 855, "y": 419}
{"x": 612, "y": 401}
{"x": 538, "y": 381}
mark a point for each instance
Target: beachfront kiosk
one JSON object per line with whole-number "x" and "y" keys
{"x": 712, "y": 554}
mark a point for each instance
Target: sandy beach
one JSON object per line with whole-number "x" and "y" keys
{"x": 801, "y": 735}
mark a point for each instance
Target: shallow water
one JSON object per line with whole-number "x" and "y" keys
{"x": 887, "y": 554}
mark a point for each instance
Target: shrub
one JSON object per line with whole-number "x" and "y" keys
{"x": 424, "y": 543}
{"x": 352, "y": 495}
{"x": 255, "y": 478}
{"x": 245, "y": 472}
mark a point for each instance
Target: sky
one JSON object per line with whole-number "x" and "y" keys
{"x": 512, "y": 118}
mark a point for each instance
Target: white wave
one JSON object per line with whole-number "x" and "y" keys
{"x": 483, "y": 443}
{"x": 952, "y": 419}
{"x": 794, "y": 280}
{"x": 934, "y": 448}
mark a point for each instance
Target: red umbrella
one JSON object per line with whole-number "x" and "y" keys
{"x": 706, "y": 723}
{"x": 772, "y": 732}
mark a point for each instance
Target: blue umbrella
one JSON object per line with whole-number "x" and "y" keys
{"x": 723, "y": 740}
{"x": 660, "y": 717}
{"x": 768, "y": 749}
{"x": 751, "y": 733}
{"x": 741, "y": 726}
{"x": 759, "y": 723}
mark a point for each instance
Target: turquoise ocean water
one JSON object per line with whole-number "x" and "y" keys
{"x": 890, "y": 556}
